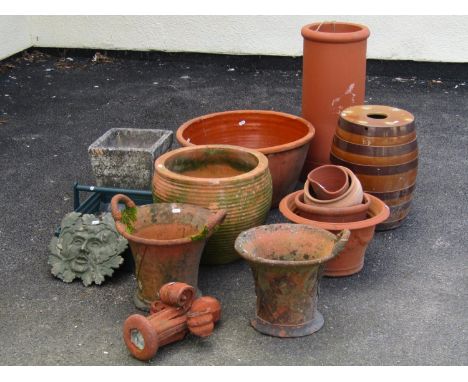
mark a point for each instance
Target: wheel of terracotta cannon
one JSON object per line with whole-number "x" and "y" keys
{"x": 177, "y": 294}
{"x": 143, "y": 336}
{"x": 203, "y": 314}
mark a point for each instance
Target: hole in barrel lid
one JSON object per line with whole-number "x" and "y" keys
{"x": 377, "y": 115}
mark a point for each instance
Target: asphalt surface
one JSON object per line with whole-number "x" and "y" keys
{"x": 408, "y": 306}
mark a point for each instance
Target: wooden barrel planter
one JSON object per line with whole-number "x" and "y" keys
{"x": 379, "y": 144}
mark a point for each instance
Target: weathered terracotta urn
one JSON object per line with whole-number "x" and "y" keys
{"x": 166, "y": 240}
{"x": 351, "y": 259}
{"x": 334, "y": 77}
{"x": 283, "y": 138}
{"x": 287, "y": 262}
{"x": 378, "y": 143}
{"x": 225, "y": 177}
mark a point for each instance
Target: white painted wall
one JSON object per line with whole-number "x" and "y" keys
{"x": 14, "y": 35}
{"x": 419, "y": 38}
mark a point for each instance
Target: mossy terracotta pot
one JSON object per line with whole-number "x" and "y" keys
{"x": 334, "y": 77}
{"x": 283, "y": 138}
{"x": 332, "y": 214}
{"x": 166, "y": 240}
{"x": 351, "y": 259}
{"x": 225, "y": 177}
{"x": 378, "y": 143}
{"x": 287, "y": 262}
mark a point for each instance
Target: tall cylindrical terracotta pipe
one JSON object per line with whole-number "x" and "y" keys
{"x": 334, "y": 77}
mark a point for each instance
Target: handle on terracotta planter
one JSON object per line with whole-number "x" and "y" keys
{"x": 116, "y": 213}
{"x": 215, "y": 219}
{"x": 342, "y": 239}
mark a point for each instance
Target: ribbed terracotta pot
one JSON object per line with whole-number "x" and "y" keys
{"x": 225, "y": 177}
{"x": 287, "y": 261}
{"x": 283, "y": 138}
{"x": 378, "y": 143}
{"x": 334, "y": 77}
{"x": 166, "y": 240}
{"x": 332, "y": 214}
{"x": 351, "y": 259}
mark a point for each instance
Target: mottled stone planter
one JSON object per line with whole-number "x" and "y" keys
{"x": 123, "y": 158}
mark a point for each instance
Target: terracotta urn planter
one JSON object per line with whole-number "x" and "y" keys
{"x": 283, "y": 138}
{"x": 231, "y": 178}
{"x": 334, "y": 77}
{"x": 378, "y": 143}
{"x": 351, "y": 259}
{"x": 332, "y": 214}
{"x": 166, "y": 241}
{"x": 351, "y": 197}
{"x": 286, "y": 262}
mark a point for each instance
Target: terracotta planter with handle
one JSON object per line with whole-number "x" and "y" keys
{"x": 287, "y": 262}
{"x": 166, "y": 240}
{"x": 334, "y": 77}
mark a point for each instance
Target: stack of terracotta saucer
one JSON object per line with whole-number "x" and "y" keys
{"x": 333, "y": 199}
{"x": 332, "y": 194}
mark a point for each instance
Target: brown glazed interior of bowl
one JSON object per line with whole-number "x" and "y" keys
{"x": 260, "y": 130}
{"x": 212, "y": 163}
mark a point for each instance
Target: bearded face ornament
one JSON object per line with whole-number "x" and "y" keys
{"x": 87, "y": 248}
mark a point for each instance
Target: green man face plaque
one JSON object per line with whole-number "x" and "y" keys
{"x": 88, "y": 248}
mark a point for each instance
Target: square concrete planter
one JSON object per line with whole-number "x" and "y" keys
{"x": 124, "y": 158}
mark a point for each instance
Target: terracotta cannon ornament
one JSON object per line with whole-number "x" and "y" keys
{"x": 171, "y": 318}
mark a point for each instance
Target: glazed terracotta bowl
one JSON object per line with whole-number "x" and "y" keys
{"x": 283, "y": 138}
{"x": 332, "y": 214}
{"x": 231, "y": 178}
{"x": 351, "y": 259}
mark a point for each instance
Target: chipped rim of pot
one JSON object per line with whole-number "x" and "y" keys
{"x": 336, "y": 249}
{"x": 244, "y": 114}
